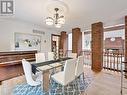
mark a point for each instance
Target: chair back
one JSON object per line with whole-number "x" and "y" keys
{"x": 28, "y": 73}
{"x": 40, "y": 57}
{"x": 69, "y": 71}
{"x": 50, "y": 55}
{"x": 79, "y": 66}
{"x": 72, "y": 55}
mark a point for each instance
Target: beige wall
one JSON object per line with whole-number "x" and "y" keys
{"x": 9, "y": 27}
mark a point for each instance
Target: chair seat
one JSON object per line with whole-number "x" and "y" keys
{"x": 59, "y": 77}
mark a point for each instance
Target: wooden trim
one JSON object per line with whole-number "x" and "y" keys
{"x": 16, "y": 62}
{"x": 85, "y": 33}
{"x": 113, "y": 28}
{"x": 52, "y": 40}
{"x": 55, "y": 35}
{"x": 17, "y": 52}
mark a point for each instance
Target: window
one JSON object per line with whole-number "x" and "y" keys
{"x": 70, "y": 41}
{"x": 86, "y": 42}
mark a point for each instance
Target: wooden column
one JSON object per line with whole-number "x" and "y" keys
{"x": 63, "y": 41}
{"x": 76, "y": 40}
{"x": 126, "y": 43}
{"x": 97, "y": 46}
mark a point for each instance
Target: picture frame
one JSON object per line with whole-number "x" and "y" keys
{"x": 27, "y": 42}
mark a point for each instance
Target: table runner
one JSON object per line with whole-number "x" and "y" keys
{"x": 35, "y": 65}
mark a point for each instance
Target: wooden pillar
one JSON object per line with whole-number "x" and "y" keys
{"x": 97, "y": 46}
{"x": 126, "y": 43}
{"x": 76, "y": 40}
{"x": 63, "y": 42}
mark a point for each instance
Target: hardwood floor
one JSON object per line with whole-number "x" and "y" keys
{"x": 103, "y": 83}
{"x": 7, "y": 86}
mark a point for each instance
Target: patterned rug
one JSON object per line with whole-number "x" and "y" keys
{"x": 25, "y": 89}
{"x": 73, "y": 88}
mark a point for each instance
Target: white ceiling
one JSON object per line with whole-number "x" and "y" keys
{"x": 82, "y": 13}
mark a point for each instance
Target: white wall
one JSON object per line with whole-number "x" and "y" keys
{"x": 9, "y": 27}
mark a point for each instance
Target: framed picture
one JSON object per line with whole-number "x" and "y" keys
{"x": 27, "y": 42}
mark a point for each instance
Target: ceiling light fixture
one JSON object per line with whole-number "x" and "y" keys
{"x": 112, "y": 39}
{"x": 57, "y": 20}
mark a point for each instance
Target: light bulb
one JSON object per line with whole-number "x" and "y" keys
{"x": 61, "y": 20}
{"x": 58, "y": 25}
{"x": 49, "y": 21}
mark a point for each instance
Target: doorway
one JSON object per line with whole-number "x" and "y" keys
{"x": 55, "y": 42}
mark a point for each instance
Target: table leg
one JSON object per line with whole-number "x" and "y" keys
{"x": 46, "y": 81}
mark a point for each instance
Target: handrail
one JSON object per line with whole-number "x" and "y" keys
{"x": 111, "y": 60}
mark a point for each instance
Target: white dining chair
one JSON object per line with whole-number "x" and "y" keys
{"x": 72, "y": 55}
{"x": 28, "y": 74}
{"x": 40, "y": 57}
{"x": 67, "y": 76}
{"x": 50, "y": 55}
{"x": 79, "y": 69}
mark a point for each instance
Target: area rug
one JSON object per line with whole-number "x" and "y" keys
{"x": 25, "y": 89}
{"x": 73, "y": 88}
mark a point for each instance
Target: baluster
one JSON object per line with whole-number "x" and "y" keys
{"x": 103, "y": 59}
{"x": 117, "y": 60}
{"x": 114, "y": 61}
{"x": 121, "y": 58}
{"x": 106, "y": 56}
{"x": 110, "y": 60}
{"x": 104, "y": 62}
{"x": 107, "y": 59}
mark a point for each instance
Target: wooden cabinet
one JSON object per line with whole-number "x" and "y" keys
{"x": 10, "y": 63}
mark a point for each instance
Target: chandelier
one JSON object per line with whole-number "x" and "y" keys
{"x": 57, "y": 20}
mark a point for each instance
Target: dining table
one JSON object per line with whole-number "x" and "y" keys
{"x": 45, "y": 67}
